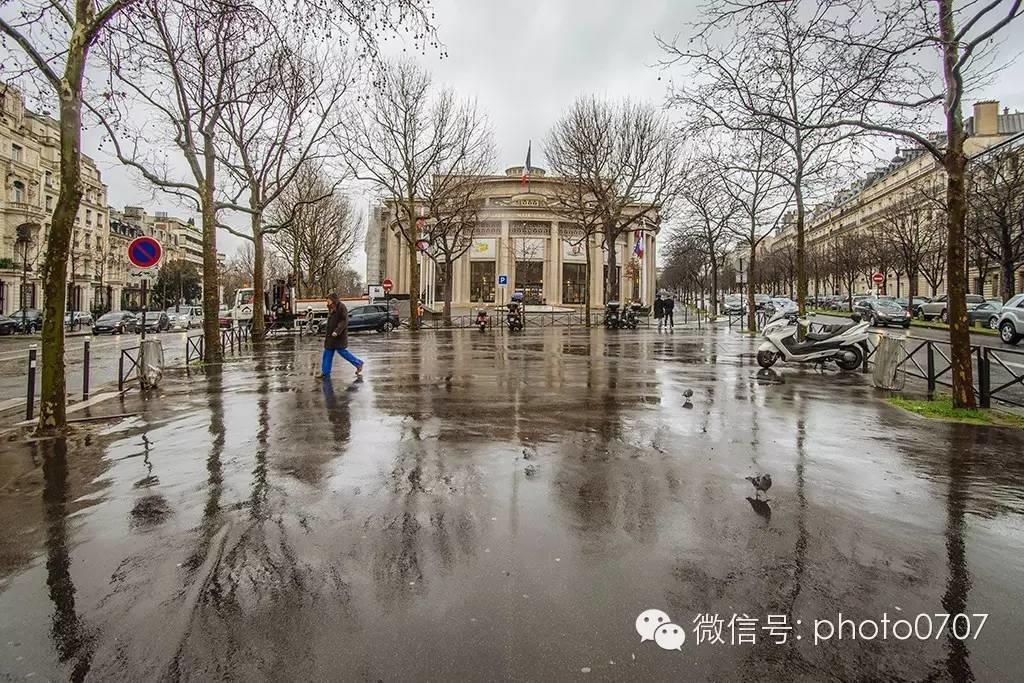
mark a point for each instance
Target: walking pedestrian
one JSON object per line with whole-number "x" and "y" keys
{"x": 659, "y": 311}
{"x": 670, "y": 304}
{"x": 336, "y": 340}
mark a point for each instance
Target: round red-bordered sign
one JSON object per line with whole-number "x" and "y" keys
{"x": 144, "y": 252}
{"x": 878, "y": 278}
{"x": 387, "y": 284}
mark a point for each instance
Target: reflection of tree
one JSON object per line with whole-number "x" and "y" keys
{"x": 214, "y": 469}
{"x": 71, "y": 638}
{"x": 954, "y": 600}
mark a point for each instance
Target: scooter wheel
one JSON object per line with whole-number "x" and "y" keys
{"x": 766, "y": 359}
{"x": 850, "y": 358}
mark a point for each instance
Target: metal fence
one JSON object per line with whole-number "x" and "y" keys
{"x": 531, "y": 319}
{"x": 994, "y": 374}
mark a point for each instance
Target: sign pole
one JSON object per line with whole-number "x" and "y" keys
{"x": 144, "y": 291}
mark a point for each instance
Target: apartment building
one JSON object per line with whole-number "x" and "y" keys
{"x": 912, "y": 176}
{"x": 30, "y": 155}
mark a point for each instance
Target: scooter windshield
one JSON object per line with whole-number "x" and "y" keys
{"x": 782, "y": 313}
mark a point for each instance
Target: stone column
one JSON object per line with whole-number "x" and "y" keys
{"x": 553, "y": 281}
{"x": 504, "y": 264}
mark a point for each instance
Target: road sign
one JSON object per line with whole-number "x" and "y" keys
{"x": 375, "y": 292}
{"x": 503, "y": 280}
{"x": 878, "y": 278}
{"x": 388, "y": 285}
{"x": 144, "y": 252}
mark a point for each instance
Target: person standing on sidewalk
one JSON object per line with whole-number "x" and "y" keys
{"x": 659, "y": 311}
{"x": 336, "y": 340}
{"x": 670, "y": 305}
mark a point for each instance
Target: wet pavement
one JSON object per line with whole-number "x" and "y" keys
{"x": 486, "y": 506}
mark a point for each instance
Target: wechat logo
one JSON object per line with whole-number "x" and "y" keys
{"x": 653, "y": 624}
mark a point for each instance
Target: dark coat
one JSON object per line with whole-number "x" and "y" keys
{"x": 659, "y": 308}
{"x": 670, "y": 305}
{"x": 337, "y": 323}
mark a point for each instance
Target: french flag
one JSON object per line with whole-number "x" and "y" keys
{"x": 526, "y": 168}
{"x": 638, "y": 248}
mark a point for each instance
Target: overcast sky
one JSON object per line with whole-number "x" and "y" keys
{"x": 526, "y": 62}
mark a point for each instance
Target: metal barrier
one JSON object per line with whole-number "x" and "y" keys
{"x": 986, "y": 355}
{"x": 740, "y": 319}
{"x": 194, "y": 348}
{"x": 124, "y": 375}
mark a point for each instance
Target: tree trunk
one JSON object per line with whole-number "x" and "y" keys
{"x": 586, "y": 286}
{"x": 52, "y": 390}
{"x": 801, "y": 257}
{"x": 211, "y": 295}
{"x": 1009, "y": 268}
{"x": 447, "y": 291}
{"x": 956, "y": 201}
{"x": 751, "y": 317}
{"x": 611, "y": 281}
{"x": 714, "y": 290}
{"x": 259, "y": 327}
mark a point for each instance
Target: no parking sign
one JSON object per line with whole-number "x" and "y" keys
{"x": 144, "y": 252}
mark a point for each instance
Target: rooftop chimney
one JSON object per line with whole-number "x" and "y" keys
{"x": 986, "y": 117}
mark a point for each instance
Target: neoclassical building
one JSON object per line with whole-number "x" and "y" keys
{"x": 522, "y": 237}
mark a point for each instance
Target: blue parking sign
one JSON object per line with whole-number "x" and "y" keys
{"x": 503, "y": 280}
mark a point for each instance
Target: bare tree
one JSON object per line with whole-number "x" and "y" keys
{"x": 178, "y": 62}
{"x": 321, "y": 230}
{"x": 847, "y": 262}
{"x": 50, "y": 41}
{"x": 454, "y": 205}
{"x": 410, "y": 144}
{"x": 760, "y": 68}
{"x": 755, "y": 179}
{"x": 709, "y": 213}
{"x": 897, "y": 96}
{"x": 624, "y": 162}
{"x": 996, "y": 201}
{"x": 281, "y": 110}
{"x": 908, "y": 227}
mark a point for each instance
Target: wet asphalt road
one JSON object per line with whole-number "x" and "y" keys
{"x": 489, "y": 507}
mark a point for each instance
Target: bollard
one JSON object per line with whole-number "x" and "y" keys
{"x": 85, "y": 371}
{"x": 984, "y": 378}
{"x": 930, "y": 370}
{"x": 30, "y": 401}
{"x": 120, "y": 373}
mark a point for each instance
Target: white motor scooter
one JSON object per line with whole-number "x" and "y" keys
{"x": 846, "y": 344}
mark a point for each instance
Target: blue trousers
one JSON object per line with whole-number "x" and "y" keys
{"x": 327, "y": 360}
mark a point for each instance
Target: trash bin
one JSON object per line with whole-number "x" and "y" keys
{"x": 888, "y": 371}
{"x": 151, "y": 363}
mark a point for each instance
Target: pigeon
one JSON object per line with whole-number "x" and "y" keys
{"x": 688, "y": 393}
{"x": 761, "y": 482}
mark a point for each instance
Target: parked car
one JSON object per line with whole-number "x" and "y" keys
{"x": 1011, "y": 320}
{"x": 116, "y": 322}
{"x": 224, "y": 317}
{"x": 986, "y": 314}
{"x": 78, "y": 319}
{"x": 780, "y": 303}
{"x": 184, "y": 317}
{"x": 29, "y": 319}
{"x": 916, "y": 305}
{"x": 372, "y": 317}
{"x": 883, "y": 310}
{"x": 8, "y": 325}
{"x": 937, "y": 307}
{"x": 733, "y": 305}
{"x": 156, "y": 321}
{"x": 760, "y": 300}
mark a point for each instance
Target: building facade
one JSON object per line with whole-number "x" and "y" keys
{"x": 30, "y": 154}
{"x": 913, "y": 178}
{"x": 520, "y": 240}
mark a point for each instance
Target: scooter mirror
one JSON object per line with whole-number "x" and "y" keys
{"x": 855, "y": 317}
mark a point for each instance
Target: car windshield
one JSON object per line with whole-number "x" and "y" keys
{"x": 110, "y": 317}
{"x": 975, "y": 299}
{"x": 887, "y": 301}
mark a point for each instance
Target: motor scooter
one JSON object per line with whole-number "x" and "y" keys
{"x": 514, "y": 317}
{"x": 612, "y": 316}
{"x": 845, "y": 344}
{"x": 481, "y": 319}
